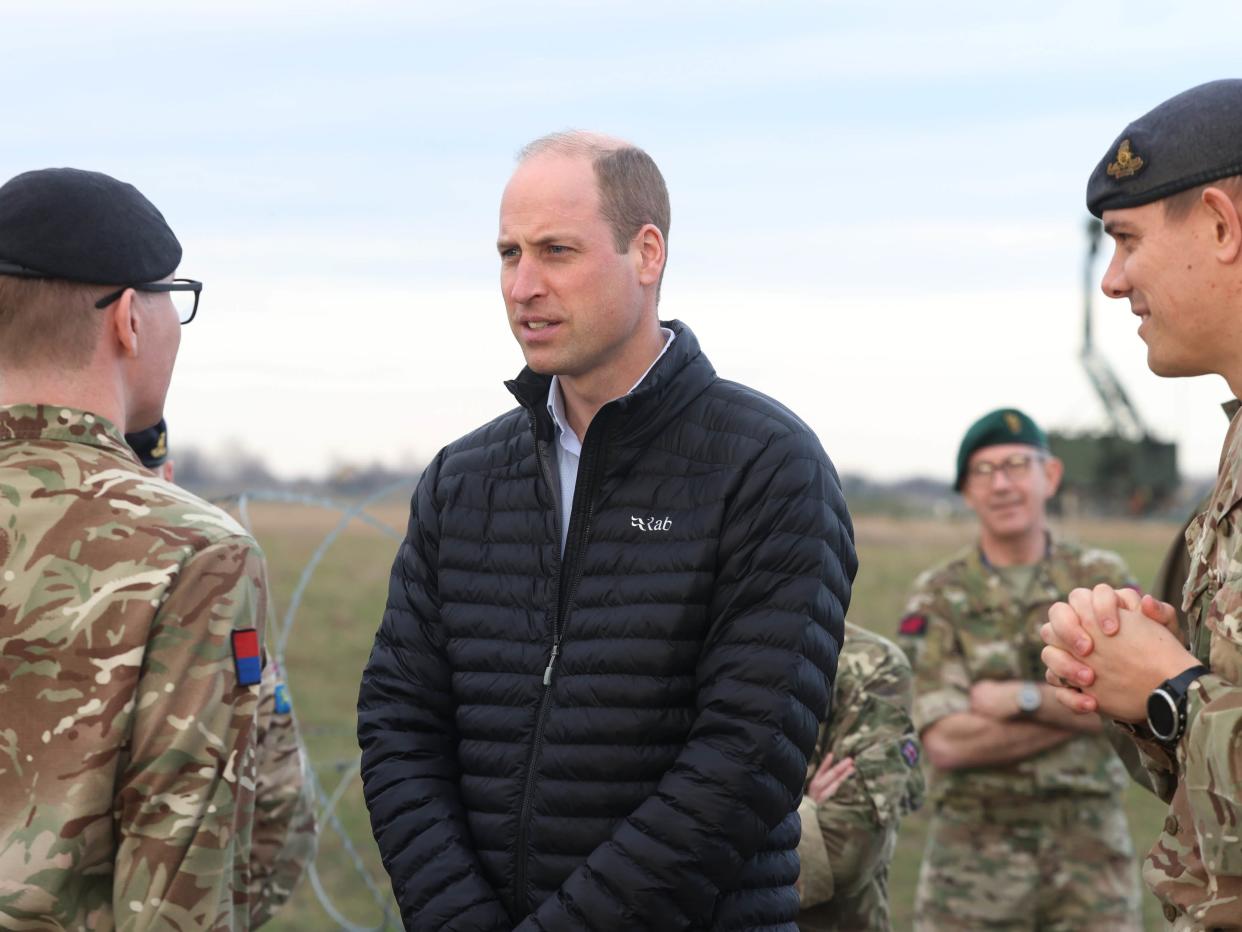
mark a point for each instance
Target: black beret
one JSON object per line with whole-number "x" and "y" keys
{"x": 1004, "y": 425}
{"x": 83, "y": 226}
{"x": 1188, "y": 140}
{"x": 151, "y": 445}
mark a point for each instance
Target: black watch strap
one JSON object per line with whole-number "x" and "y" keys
{"x": 1166, "y": 706}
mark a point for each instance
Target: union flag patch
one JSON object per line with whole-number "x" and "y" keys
{"x": 910, "y": 752}
{"x": 913, "y": 625}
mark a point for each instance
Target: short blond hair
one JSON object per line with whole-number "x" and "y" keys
{"x": 47, "y": 323}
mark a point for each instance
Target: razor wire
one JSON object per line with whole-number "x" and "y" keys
{"x": 349, "y": 768}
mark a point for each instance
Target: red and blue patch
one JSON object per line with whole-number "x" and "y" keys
{"x": 247, "y": 659}
{"x": 913, "y": 626}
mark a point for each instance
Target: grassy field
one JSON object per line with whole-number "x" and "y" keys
{"x": 332, "y": 633}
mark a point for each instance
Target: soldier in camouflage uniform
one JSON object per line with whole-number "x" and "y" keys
{"x": 1027, "y": 829}
{"x": 1169, "y": 191}
{"x": 131, "y": 612}
{"x": 848, "y": 834}
{"x": 285, "y": 832}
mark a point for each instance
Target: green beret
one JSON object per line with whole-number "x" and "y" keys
{"x": 1004, "y": 425}
{"x": 1189, "y": 140}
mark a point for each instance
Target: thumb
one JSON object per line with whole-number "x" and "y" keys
{"x": 1159, "y": 611}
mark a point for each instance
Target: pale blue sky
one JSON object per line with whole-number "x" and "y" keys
{"x": 877, "y": 208}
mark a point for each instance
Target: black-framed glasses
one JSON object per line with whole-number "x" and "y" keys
{"x": 1015, "y": 466}
{"x": 184, "y": 293}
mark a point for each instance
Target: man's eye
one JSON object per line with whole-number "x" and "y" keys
{"x": 558, "y": 250}
{"x": 509, "y": 252}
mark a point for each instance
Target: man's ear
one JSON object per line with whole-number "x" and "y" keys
{"x": 1226, "y": 224}
{"x": 1054, "y": 469}
{"x": 123, "y": 324}
{"x": 649, "y": 245}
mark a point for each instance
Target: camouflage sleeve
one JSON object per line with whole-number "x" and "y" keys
{"x": 941, "y": 679}
{"x": 185, "y": 796}
{"x": 847, "y": 837}
{"x": 1210, "y": 752}
{"x": 285, "y": 833}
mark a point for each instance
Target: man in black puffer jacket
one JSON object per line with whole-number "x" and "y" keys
{"x": 613, "y": 625}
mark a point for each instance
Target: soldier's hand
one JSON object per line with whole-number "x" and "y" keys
{"x": 996, "y": 699}
{"x": 1064, "y": 672}
{"x": 829, "y": 777}
{"x": 1097, "y": 608}
{"x": 1124, "y": 668}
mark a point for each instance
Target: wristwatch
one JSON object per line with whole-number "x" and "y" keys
{"x": 1166, "y": 706}
{"x": 1030, "y": 698}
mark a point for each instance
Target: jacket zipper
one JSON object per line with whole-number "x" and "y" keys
{"x": 565, "y": 594}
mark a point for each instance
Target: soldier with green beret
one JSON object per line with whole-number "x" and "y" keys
{"x": 1169, "y": 190}
{"x": 131, "y": 612}
{"x": 863, "y": 776}
{"x": 1027, "y": 828}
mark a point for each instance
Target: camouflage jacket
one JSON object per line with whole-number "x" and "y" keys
{"x": 848, "y": 840}
{"x": 964, "y": 624}
{"x": 1195, "y": 867}
{"x": 128, "y": 747}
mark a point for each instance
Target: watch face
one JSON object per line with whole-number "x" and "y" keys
{"x": 1162, "y": 715}
{"x": 1029, "y": 697}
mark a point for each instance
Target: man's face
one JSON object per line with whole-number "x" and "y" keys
{"x": 159, "y": 338}
{"x": 1166, "y": 269}
{"x": 1011, "y": 499}
{"x": 575, "y": 304}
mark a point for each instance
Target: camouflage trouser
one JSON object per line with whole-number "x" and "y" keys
{"x": 1045, "y": 865}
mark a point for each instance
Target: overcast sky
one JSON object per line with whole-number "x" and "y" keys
{"x": 877, "y": 208}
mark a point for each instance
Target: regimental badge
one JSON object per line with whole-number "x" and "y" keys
{"x": 913, "y": 626}
{"x": 161, "y": 445}
{"x": 1013, "y": 422}
{"x": 910, "y": 752}
{"x": 247, "y": 660}
{"x": 1127, "y": 163}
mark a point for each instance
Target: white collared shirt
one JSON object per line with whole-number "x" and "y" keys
{"x": 569, "y": 447}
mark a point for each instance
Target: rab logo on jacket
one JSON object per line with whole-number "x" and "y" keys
{"x": 651, "y": 524}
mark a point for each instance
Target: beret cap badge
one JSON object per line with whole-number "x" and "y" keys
{"x": 1127, "y": 164}
{"x": 1013, "y": 422}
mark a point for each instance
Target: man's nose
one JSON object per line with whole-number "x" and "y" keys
{"x": 1114, "y": 282}
{"x": 527, "y": 282}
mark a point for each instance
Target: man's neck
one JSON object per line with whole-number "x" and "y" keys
{"x": 1024, "y": 550}
{"x": 64, "y": 391}
{"x": 585, "y": 395}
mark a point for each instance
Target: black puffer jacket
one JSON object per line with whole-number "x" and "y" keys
{"x": 618, "y": 739}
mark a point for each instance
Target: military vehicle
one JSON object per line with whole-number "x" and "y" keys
{"x": 1124, "y": 469}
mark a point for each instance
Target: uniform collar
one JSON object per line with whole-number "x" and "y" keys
{"x": 67, "y": 425}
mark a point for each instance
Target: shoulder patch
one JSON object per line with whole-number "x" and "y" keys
{"x": 913, "y": 626}
{"x": 910, "y": 752}
{"x": 246, "y": 660}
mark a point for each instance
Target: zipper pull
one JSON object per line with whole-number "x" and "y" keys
{"x": 547, "y": 674}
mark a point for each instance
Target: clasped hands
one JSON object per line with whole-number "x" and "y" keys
{"x": 1107, "y": 649}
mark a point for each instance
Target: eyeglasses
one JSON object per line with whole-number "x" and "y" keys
{"x": 184, "y": 293}
{"x": 1015, "y": 466}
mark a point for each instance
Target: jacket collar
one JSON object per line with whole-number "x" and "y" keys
{"x": 58, "y": 423}
{"x": 677, "y": 378}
